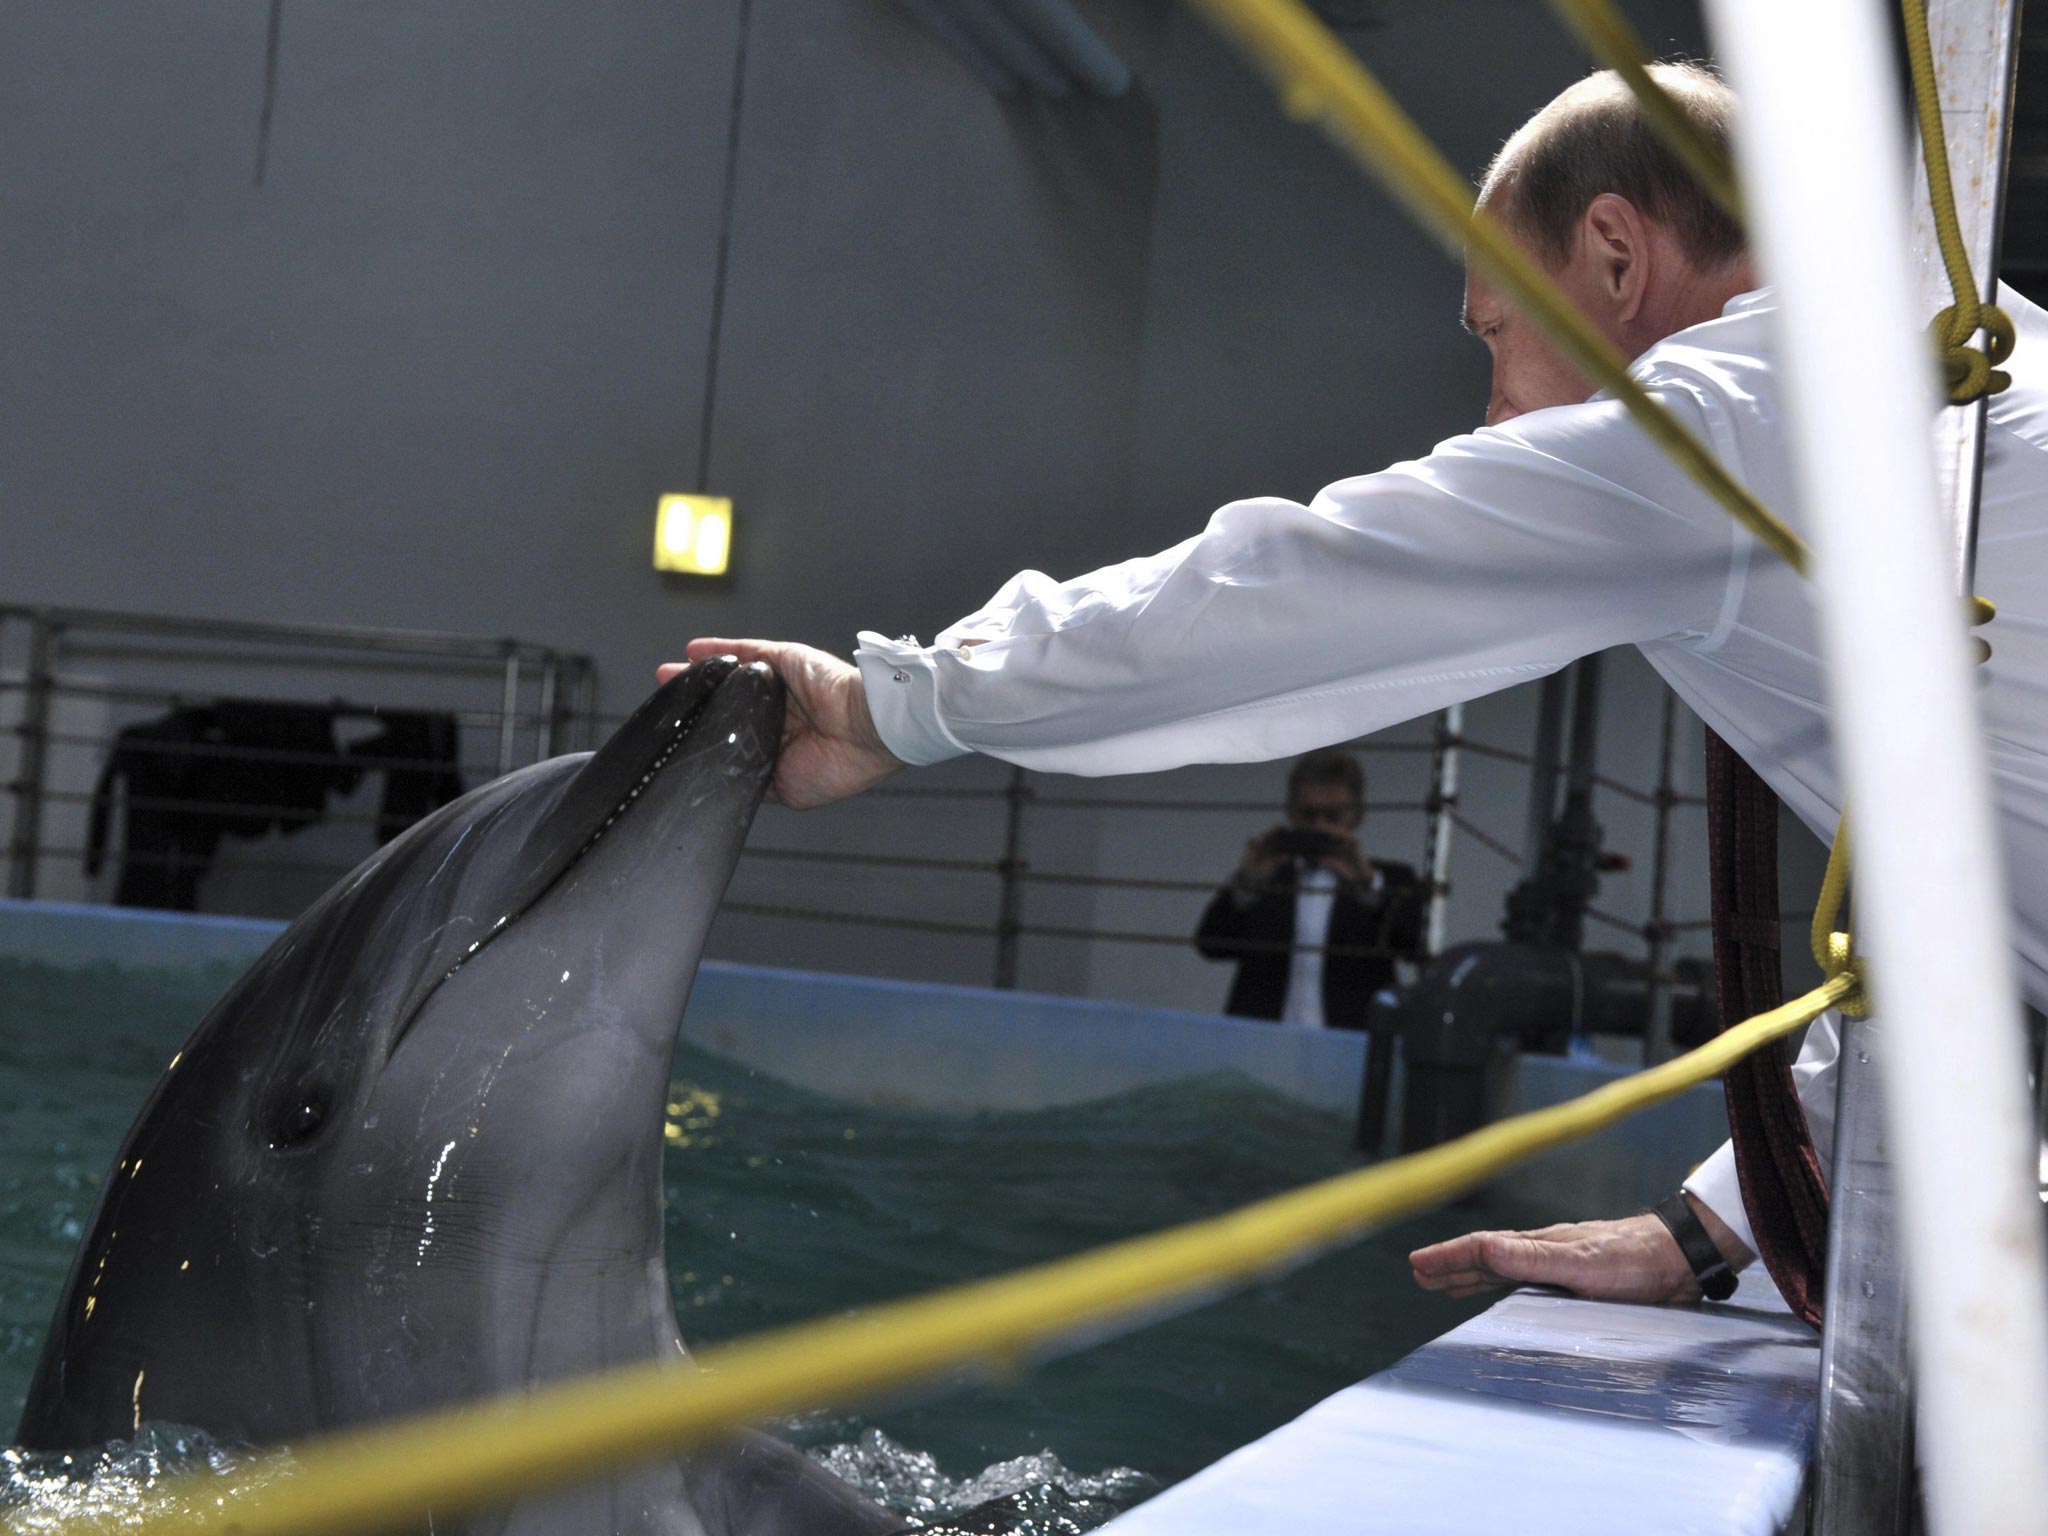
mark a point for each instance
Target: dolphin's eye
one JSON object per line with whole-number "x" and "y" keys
{"x": 304, "y": 1113}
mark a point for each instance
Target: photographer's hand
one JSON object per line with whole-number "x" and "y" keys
{"x": 1259, "y": 870}
{"x": 1347, "y": 861}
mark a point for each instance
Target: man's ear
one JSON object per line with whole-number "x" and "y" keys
{"x": 1615, "y": 240}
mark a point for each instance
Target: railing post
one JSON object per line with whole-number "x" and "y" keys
{"x": 1657, "y": 1037}
{"x": 1443, "y": 800}
{"x": 583, "y": 712}
{"x": 1862, "y": 1479}
{"x": 1931, "y": 915}
{"x": 550, "y": 709}
{"x": 508, "y": 709}
{"x": 26, "y": 842}
{"x": 1550, "y": 702}
{"x": 1010, "y": 906}
{"x": 1863, "y": 1472}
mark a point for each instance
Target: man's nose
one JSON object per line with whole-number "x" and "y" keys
{"x": 1498, "y": 407}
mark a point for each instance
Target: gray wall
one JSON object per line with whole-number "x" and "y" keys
{"x": 434, "y": 370}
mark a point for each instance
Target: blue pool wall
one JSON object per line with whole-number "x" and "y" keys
{"x": 922, "y": 1046}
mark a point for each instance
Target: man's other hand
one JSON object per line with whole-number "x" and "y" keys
{"x": 830, "y": 748}
{"x": 1633, "y": 1259}
{"x": 1260, "y": 869}
{"x": 1347, "y": 860}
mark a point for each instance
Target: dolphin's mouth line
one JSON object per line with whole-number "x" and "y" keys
{"x": 679, "y": 734}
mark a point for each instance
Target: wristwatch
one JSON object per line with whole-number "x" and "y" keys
{"x": 1716, "y": 1279}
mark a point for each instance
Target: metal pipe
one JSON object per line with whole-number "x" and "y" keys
{"x": 1863, "y": 1470}
{"x": 548, "y": 715}
{"x": 1543, "y": 770}
{"x": 34, "y": 730}
{"x": 1657, "y": 1038}
{"x": 1010, "y": 905}
{"x": 1549, "y": 906}
{"x": 586, "y": 695}
{"x": 1443, "y": 799}
{"x": 1932, "y": 910}
{"x": 1584, "y": 764}
{"x": 1575, "y": 870}
{"x": 508, "y": 713}
{"x": 1074, "y": 45}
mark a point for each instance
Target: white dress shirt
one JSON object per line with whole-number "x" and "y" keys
{"x": 1315, "y": 896}
{"x": 1500, "y": 557}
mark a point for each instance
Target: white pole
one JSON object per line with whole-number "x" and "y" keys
{"x": 1825, "y": 183}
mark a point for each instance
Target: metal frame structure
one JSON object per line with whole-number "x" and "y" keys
{"x": 563, "y": 683}
{"x": 1932, "y": 912}
{"x": 541, "y": 702}
{"x": 1863, "y": 1480}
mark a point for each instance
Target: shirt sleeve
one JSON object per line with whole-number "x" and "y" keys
{"x": 1502, "y": 556}
{"x": 1714, "y": 1183}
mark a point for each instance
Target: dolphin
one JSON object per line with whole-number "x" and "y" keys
{"x": 413, "y": 1157}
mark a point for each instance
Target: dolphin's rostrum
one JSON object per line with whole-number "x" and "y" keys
{"x": 414, "y": 1156}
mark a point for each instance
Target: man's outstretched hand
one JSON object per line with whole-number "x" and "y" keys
{"x": 830, "y": 748}
{"x": 1633, "y": 1259}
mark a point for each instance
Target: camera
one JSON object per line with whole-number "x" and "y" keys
{"x": 1303, "y": 842}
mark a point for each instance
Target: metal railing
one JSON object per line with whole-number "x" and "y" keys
{"x": 1023, "y": 802}
{"x": 515, "y": 702}
{"x": 520, "y": 701}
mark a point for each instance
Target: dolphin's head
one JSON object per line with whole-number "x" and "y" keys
{"x": 415, "y": 1154}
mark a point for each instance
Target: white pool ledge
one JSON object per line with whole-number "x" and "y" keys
{"x": 1545, "y": 1414}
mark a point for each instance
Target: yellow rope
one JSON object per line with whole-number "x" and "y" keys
{"x": 1322, "y": 81}
{"x": 1606, "y": 34}
{"x": 1832, "y": 948}
{"x": 390, "y": 1474}
{"x": 1971, "y": 373}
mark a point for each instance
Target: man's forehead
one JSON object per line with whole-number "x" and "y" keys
{"x": 1319, "y": 789}
{"x": 1481, "y": 307}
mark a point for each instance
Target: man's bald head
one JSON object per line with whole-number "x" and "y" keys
{"x": 1593, "y": 138}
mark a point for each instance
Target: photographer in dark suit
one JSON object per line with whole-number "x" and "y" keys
{"x": 1309, "y": 882}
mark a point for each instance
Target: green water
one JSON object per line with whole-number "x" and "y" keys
{"x": 783, "y": 1206}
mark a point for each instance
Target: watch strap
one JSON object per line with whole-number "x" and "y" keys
{"x": 1717, "y": 1280}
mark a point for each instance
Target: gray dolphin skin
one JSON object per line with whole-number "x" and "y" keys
{"x": 414, "y": 1156}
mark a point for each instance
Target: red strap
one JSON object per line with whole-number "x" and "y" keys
{"x": 1784, "y": 1189}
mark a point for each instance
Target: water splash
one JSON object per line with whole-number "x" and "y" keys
{"x": 45, "y": 1490}
{"x": 1034, "y": 1495}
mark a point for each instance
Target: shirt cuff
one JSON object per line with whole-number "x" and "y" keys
{"x": 1716, "y": 1186}
{"x": 902, "y": 682}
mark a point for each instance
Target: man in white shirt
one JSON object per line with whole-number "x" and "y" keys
{"x": 1556, "y": 531}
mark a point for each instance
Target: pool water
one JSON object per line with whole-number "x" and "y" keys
{"x": 783, "y": 1206}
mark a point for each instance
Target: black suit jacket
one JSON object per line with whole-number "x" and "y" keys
{"x": 1259, "y": 936}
